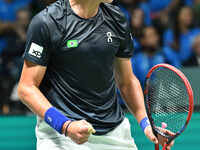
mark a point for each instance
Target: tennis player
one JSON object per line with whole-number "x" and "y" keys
{"x": 76, "y": 53}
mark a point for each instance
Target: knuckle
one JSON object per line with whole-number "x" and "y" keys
{"x": 152, "y": 138}
{"x": 78, "y": 138}
{"x": 83, "y": 121}
{"x": 79, "y": 142}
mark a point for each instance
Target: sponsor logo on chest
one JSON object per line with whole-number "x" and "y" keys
{"x": 109, "y": 37}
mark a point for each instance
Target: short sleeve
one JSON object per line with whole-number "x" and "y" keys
{"x": 126, "y": 49}
{"x": 37, "y": 45}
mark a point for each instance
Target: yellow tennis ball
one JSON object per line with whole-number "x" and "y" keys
{"x": 91, "y": 130}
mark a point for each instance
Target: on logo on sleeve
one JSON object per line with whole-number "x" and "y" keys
{"x": 36, "y": 50}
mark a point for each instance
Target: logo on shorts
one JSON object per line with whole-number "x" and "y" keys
{"x": 72, "y": 43}
{"x": 36, "y": 50}
{"x": 109, "y": 35}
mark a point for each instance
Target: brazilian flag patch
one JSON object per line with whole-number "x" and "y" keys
{"x": 72, "y": 43}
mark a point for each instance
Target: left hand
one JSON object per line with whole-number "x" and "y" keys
{"x": 161, "y": 140}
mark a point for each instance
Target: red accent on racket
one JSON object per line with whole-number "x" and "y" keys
{"x": 168, "y": 101}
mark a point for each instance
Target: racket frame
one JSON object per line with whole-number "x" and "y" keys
{"x": 190, "y": 94}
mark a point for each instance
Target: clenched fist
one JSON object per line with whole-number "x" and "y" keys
{"x": 79, "y": 131}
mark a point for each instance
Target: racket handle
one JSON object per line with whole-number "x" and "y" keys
{"x": 165, "y": 146}
{"x": 156, "y": 146}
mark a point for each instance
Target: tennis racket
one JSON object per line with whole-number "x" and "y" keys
{"x": 168, "y": 101}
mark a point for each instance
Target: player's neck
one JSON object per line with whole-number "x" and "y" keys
{"x": 85, "y": 8}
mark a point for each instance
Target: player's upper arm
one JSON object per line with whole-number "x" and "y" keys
{"x": 123, "y": 71}
{"x": 28, "y": 90}
{"x": 32, "y": 75}
{"x": 122, "y": 61}
{"x": 126, "y": 49}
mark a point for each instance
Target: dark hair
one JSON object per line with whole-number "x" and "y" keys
{"x": 142, "y": 34}
{"x": 136, "y": 31}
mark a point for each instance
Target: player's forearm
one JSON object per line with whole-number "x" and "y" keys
{"x": 34, "y": 99}
{"x": 134, "y": 99}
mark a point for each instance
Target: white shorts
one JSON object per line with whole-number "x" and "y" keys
{"x": 118, "y": 139}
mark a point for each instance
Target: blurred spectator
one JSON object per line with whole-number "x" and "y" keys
{"x": 150, "y": 55}
{"x": 11, "y": 57}
{"x": 16, "y": 43}
{"x": 189, "y": 2}
{"x": 196, "y": 12}
{"x": 127, "y": 6}
{"x": 194, "y": 60}
{"x": 161, "y": 10}
{"x": 8, "y": 9}
{"x": 178, "y": 41}
{"x": 147, "y": 12}
{"x": 137, "y": 24}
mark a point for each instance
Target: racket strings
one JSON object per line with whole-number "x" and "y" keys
{"x": 168, "y": 100}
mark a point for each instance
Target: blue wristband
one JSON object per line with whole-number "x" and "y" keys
{"x": 144, "y": 123}
{"x": 55, "y": 119}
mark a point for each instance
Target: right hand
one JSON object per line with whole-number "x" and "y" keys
{"x": 79, "y": 131}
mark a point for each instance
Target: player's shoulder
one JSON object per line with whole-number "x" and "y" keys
{"x": 57, "y": 9}
{"x": 48, "y": 17}
{"x": 51, "y": 13}
{"x": 38, "y": 22}
{"x": 114, "y": 12}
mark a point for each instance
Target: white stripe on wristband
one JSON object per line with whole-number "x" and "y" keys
{"x": 144, "y": 123}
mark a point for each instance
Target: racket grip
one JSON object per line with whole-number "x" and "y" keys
{"x": 165, "y": 146}
{"x": 156, "y": 146}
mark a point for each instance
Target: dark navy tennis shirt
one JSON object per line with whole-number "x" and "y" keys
{"x": 79, "y": 55}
